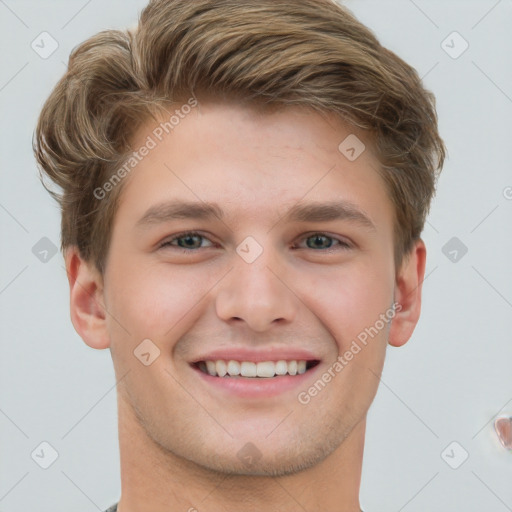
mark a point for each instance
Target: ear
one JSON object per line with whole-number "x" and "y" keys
{"x": 409, "y": 281}
{"x": 86, "y": 300}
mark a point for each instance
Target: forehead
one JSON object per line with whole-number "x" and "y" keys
{"x": 223, "y": 152}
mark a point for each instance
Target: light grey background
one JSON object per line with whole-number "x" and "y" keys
{"x": 447, "y": 384}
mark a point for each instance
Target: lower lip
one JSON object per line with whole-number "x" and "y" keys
{"x": 257, "y": 387}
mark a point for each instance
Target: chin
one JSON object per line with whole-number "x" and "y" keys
{"x": 269, "y": 459}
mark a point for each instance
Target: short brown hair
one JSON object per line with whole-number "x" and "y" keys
{"x": 310, "y": 53}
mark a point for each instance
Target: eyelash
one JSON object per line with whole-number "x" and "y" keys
{"x": 342, "y": 244}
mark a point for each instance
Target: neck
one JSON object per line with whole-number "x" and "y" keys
{"x": 156, "y": 480}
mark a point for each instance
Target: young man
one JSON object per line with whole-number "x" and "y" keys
{"x": 244, "y": 186}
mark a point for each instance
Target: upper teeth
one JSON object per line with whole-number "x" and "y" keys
{"x": 232, "y": 368}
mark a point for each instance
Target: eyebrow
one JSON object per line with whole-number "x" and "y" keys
{"x": 300, "y": 212}
{"x": 167, "y": 211}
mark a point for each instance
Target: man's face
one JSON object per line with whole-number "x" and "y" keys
{"x": 251, "y": 286}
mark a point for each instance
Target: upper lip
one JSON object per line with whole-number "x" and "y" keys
{"x": 255, "y": 356}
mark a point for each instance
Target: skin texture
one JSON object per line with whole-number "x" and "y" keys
{"x": 179, "y": 437}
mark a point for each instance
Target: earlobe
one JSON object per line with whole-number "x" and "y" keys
{"x": 87, "y": 306}
{"x": 408, "y": 288}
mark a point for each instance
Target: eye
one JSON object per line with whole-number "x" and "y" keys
{"x": 323, "y": 241}
{"x": 189, "y": 241}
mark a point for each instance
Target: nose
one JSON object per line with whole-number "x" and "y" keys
{"x": 257, "y": 294}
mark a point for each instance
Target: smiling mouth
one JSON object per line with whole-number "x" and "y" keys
{"x": 260, "y": 370}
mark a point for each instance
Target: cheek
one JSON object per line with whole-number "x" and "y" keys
{"x": 156, "y": 299}
{"x": 350, "y": 304}
{"x": 349, "y": 299}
